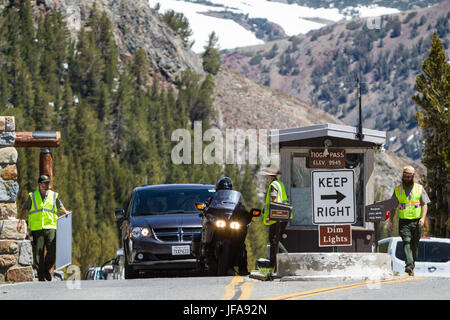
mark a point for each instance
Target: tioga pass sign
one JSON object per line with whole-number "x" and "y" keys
{"x": 335, "y": 159}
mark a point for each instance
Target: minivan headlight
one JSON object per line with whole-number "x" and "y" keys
{"x": 145, "y": 232}
{"x": 138, "y": 232}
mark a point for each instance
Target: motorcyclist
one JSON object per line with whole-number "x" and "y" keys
{"x": 242, "y": 215}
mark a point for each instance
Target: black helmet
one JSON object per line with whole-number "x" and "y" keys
{"x": 224, "y": 183}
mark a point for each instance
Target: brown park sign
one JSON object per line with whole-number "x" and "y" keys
{"x": 335, "y": 159}
{"x": 377, "y": 212}
{"x": 335, "y": 235}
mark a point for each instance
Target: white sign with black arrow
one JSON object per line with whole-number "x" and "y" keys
{"x": 333, "y": 197}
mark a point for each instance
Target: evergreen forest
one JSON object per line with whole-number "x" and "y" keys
{"x": 115, "y": 122}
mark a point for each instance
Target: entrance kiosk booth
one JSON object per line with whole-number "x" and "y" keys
{"x": 328, "y": 155}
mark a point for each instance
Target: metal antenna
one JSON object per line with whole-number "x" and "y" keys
{"x": 359, "y": 135}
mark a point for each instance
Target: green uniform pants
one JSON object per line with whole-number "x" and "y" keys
{"x": 273, "y": 240}
{"x": 411, "y": 233}
{"x": 45, "y": 238}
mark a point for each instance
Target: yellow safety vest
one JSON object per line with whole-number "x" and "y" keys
{"x": 281, "y": 198}
{"x": 409, "y": 208}
{"x": 43, "y": 214}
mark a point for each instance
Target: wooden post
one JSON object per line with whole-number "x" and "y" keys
{"x": 40, "y": 139}
{"x": 277, "y": 246}
{"x": 46, "y": 164}
{"x": 376, "y": 235}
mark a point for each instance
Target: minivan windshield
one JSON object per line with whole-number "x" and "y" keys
{"x": 429, "y": 251}
{"x": 168, "y": 201}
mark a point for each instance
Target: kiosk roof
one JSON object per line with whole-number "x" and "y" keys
{"x": 370, "y": 137}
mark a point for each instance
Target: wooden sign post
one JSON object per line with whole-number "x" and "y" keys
{"x": 46, "y": 164}
{"x": 44, "y": 140}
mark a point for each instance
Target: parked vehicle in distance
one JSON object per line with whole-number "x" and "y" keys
{"x": 433, "y": 259}
{"x": 93, "y": 274}
{"x": 100, "y": 273}
{"x": 158, "y": 227}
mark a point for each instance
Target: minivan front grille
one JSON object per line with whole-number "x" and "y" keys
{"x": 166, "y": 230}
{"x": 175, "y": 234}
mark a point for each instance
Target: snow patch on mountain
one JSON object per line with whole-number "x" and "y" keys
{"x": 291, "y": 17}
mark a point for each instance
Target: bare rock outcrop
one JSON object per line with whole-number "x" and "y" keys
{"x": 136, "y": 26}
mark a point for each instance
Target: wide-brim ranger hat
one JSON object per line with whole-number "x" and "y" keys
{"x": 43, "y": 178}
{"x": 270, "y": 171}
{"x": 409, "y": 169}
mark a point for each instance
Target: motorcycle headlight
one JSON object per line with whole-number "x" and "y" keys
{"x": 235, "y": 225}
{"x": 221, "y": 223}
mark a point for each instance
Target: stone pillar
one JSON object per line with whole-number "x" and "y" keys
{"x": 16, "y": 257}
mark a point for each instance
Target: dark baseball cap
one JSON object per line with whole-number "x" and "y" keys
{"x": 43, "y": 178}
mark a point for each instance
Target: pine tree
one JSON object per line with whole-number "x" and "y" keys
{"x": 180, "y": 24}
{"x": 211, "y": 56}
{"x": 433, "y": 98}
{"x": 4, "y": 89}
{"x": 42, "y": 109}
{"x": 140, "y": 67}
{"x": 27, "y": 34}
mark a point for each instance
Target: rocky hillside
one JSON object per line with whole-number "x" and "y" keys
{"x": 322, "y": 67}
{"x": 136, "y": 26}
{"x": 243, "y": 103}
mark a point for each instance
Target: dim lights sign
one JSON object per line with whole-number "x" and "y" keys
{"x": 335, "y": 235}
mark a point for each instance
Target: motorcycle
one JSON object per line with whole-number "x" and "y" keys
{"x": 225, "y": 222}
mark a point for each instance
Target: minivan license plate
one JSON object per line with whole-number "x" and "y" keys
{"x": 181, "y": 250}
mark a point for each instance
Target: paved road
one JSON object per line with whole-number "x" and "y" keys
{"x": 230, "y": 288}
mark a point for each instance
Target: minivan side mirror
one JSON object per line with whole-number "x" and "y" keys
{"x": 255, "y": 212}
{"x": 119, "y": 214}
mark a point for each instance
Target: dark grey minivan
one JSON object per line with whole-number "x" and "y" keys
{"x": 158, "y": 227}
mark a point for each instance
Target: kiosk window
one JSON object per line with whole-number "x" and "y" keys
{"x": 301, "y": 193}
{"x": 301, "y": 196}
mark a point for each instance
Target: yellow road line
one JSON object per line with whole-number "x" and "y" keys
{"x": 229, "y": 289}
{"x": 314, "y": 292}
{"x": 246, "y": 288}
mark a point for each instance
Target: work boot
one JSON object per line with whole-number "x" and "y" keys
{"x": 48, "y": 276}
{"x": 41, "y": 276}
{"x": 410, "y": 271}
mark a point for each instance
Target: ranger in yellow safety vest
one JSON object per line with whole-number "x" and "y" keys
{"x": 275, "y": 193}
{"x": 42, "y": 214}
{"x": 411, "y": 200}
{"x": 42, "y": 205}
